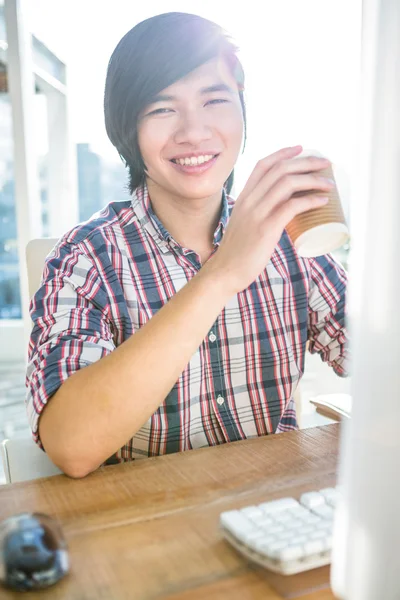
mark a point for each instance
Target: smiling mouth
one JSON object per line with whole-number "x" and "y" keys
{"x": 194, "y": 161}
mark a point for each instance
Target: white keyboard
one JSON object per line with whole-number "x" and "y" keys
{"x": 285, "y": 536}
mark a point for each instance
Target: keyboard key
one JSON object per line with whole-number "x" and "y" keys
{"x": 275, "y": 528}
{"x": 305, "y": 529}
{"x": 299, "y": 512}
{"x": 283, "y": 517}
{"x": 312, "y": 500}
{"x": 298, "y": 540}
{"x": 291, "y": 553}
{"x": 285, "y": 535}
{"x": 263, "y": 543}
{"x": 274, "y": 549}
{"x": 324, "y": 511}
{"x": 278, "y": 505}
{"x": 331, "y": 496}
{"x": 265, "y": 521}
{"x": 237, "y": 524}
{"x": 314, "y": 547}
{"x": 312, "y": 519}
{"x": 293, "y": 523}
{"x": 316, "y": 535}
{"x": 254, "y": 535}
{"x": 252, "y": 512}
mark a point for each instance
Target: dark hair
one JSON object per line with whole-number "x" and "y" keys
{"x": 150, "y": 57}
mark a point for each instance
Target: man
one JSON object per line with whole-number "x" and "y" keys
{"x": 180, "y": 319}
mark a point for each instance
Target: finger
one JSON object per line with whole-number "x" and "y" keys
{"x": 263, "y": 166}
{"x": 284, "y": 169}
{"x": 295, "y": 206}
{"x": 308, "y": 164}
{"x": 293, "y": 185}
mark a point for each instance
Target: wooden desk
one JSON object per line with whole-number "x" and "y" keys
{"x": 149, "y": 529}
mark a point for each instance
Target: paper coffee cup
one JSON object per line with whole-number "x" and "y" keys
{"x": 323, "y": 229}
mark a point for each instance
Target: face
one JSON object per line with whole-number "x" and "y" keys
{"x": 191, "y": 135}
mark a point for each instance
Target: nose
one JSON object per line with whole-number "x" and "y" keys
{"x": 192, "y": 129}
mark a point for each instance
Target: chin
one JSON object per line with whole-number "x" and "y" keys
{"x": 189, "y": 186}
{"x": 196, "y": 188}
{"x": 198, "y": 192}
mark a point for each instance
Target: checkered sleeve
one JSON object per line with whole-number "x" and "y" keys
{"x": 71, "y": 326}
{"x": 327, "y": 332}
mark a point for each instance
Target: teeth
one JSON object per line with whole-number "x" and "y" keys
{"x": 193, "y": 160}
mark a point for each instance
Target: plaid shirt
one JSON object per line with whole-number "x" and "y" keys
{"x": 107, "y": 277}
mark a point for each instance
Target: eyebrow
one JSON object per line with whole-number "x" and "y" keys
{"x": 216, "y": 87}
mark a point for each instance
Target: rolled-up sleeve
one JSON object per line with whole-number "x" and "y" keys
{"x": 327, "y": 332}
{"x": 71, "y": 326}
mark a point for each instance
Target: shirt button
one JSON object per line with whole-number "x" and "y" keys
{"x": 220, "y": 400}
{"x": 212, "y": 337}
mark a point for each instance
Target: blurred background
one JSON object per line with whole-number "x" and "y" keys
{"x": 57, "y": 166}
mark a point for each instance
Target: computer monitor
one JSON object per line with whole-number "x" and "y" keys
{"x": 366, "y": 553}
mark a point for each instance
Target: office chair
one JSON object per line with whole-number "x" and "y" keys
{"x": 36, "y": 252}
{"x": 22, "y": 458}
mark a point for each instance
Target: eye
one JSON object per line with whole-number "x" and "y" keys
{"x": 217, "y": 101}
{"x": 159, "y": 111}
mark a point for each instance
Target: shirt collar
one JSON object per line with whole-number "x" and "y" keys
{"x": 223, "y": 219}
{"x": 141, "y": 205}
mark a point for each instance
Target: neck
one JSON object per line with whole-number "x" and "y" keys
{"x": 191, "y": 223}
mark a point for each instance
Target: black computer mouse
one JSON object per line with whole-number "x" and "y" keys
{"x": 33, "y": 552}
